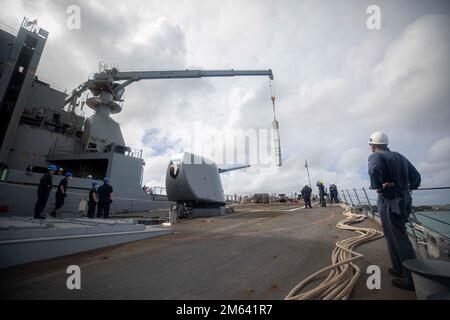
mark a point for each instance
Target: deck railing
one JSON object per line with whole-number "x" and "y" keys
{"x": 364, "y": 201}
{"x": 80, "y": 150}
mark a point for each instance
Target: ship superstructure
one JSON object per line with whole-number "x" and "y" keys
{"x": 40, "y": 126}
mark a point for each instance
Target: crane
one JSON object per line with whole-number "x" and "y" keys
{"x": 108, "y": 85}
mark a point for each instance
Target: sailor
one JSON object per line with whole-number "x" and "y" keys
{"x": 334, "y": 193}
{"x": 61, "y": 194}
{"x": 331, "y": 193}
{"x": 321, "y": 187}
{"x": 43, "y": 192}
{"x": 306, "y": 195}
{"x": 393, "y": 177}
{"x": 104, "y": 194}
{"x": 93, "y": 199}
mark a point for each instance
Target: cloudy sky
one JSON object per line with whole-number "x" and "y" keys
{"x": 336, "y": 81}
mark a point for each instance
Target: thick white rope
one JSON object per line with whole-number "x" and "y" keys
{"x": 343, "y": 273}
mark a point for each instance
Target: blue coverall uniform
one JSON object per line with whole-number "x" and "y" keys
{"x": 43, "y": 192}
{"x": 394, "y": 202}
{"x": 334, "y": 193}
{"x": 306, "y": 194}
{"x": 321, "y": 194}
{"x": 104, "y": 200}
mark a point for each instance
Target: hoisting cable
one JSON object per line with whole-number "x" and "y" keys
{"x": 343, "y": 273}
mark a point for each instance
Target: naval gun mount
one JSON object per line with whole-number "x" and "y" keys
{"x": 194, "y": 183}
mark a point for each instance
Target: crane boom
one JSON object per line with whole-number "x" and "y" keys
{"x": 112, "y": 81}
{"x": 133, "y": 76}
{"x": 186, "y": 74}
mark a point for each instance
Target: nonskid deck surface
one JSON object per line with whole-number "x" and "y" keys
{"x": 260, "y": 252}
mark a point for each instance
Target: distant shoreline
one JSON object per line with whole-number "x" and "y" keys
{"x": 437, "y": 208}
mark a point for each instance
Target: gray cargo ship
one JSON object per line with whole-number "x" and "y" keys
{"x": 37, "y": 129}
{"x": 40, "y": 125}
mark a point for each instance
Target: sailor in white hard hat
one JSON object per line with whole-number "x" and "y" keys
{"x": 393, "y": 177}
{"x": 379, "y": 138}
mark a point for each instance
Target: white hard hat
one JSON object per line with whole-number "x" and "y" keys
{"x": 379, "y": 138}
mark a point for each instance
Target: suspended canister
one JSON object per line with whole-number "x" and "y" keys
{"x": 276, "y": 136}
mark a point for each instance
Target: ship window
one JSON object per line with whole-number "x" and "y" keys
{"x": 31, "y": 42}
{"x": 92, "y": 147}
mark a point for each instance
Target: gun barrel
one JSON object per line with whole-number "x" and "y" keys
{"x": 234, "y": 169}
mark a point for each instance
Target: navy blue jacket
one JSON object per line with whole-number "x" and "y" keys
{"x": 388, "y": 166}
{"x": 306, "y": 192}
{"x": 104, "y": 193}
{"x": 321, "y": 188}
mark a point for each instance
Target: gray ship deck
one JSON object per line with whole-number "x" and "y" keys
{"x": 261, "y": 252}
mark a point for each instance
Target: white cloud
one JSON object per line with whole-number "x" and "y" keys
{"x": 353, "y": 159}
{"x": 336, "y": 82}
{"x": 410, "y": 85}
{"x": 440, "y": 151}
{"x": 435, "y": 168}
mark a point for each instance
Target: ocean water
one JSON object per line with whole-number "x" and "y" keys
{"x": 420, "y": 197}
{"x": 431, "y": 197}
{"x": 439, "y": 221}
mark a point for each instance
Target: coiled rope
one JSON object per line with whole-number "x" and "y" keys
{"x": 343, "y": 272}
